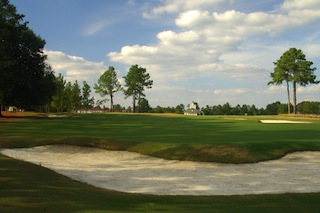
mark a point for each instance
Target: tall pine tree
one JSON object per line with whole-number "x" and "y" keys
{"x": 137, "y": 80}
{"x": 26, "y": 80}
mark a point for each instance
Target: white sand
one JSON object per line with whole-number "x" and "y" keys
{"x": 135, "y": 173}
{"x": 284, "y": 122}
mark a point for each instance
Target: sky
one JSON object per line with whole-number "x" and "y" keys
{"x": 208, "y": 51}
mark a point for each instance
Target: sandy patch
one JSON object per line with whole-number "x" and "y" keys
{"x": 136, "y": 173}
{"x": 284, "y": 122}
{"x": 57, "y": 116}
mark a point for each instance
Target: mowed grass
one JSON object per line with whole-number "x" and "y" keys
{"x": 205, "y": 138}
{"x": 31, "y": 188}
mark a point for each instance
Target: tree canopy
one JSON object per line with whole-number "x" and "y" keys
{"x": 137, "y": 80}
{"x": 26, "y": 80}
{"x": 86, "y": 100}
{"x": 108, "y": 84}
{"x": 68, "y": 96}
{"x": 293, "y": 67}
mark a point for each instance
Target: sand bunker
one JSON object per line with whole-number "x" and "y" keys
{"x": 284, "y": 122}
{"x": 136, "y": 173}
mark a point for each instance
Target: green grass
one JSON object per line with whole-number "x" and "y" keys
{"x": 171, "y": 137}
{"x": 25, "y": 187}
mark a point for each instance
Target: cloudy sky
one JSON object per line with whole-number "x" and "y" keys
{"x": 209, "y": 51}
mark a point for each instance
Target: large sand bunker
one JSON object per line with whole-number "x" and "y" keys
{"x": 136, "y": 173}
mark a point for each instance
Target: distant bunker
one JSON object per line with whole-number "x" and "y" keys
{"x": 284, "y": 122}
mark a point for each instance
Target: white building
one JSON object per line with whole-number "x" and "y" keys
{"x": 193, "y": 109}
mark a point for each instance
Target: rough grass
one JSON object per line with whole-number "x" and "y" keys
{"x": 25, "y": 187}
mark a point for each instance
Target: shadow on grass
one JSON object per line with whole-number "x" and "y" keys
{"x": 29, "y": 188}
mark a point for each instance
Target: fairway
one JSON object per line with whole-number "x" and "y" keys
{"x": 207, "y": 138}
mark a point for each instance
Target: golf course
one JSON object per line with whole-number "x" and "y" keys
{"x": 230, "y": 140}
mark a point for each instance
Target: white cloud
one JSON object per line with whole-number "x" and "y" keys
{"x": 300, "y": 4}
{"x": 312, "y": 50}
{"x": 312, "y": 89}
{"x": 229, "y": 92}
{"x": 78, "y": 68}
{"x": 241, "y": 24}
{"x": 169, "y": 38}
{"x": 235, "y": 72}
{"x": 309, "y": 93}
{"x": 273, "y": 89}
{"x": 231, "y": 47}
{"x": 175, "y": 6}
{"x": 202, "y": 96}
{"x": 75, "y": 67}
{"x": 215, "y": 33}
{"x": 193, "y": 18}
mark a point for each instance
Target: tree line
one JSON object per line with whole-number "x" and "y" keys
{"x": 136, "y": 81}
{"x": 276, "y": 108}
{"x": 70, "y": 97}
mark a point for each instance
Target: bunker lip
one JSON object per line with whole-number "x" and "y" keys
{"x": 284, "y": 122}
{"x": 135, "y": 173}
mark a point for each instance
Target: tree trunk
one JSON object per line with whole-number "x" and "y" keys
{"x": 111, "y": 102}
{"x": 134, "y": 103}
{"x": 294, "y": 97}
{"x": 288, "y": 92}
{"x": 139, "y": 98}
{"x": 1, "y": 111}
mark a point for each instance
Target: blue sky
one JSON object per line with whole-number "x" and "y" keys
{"x": 209, "y": 51}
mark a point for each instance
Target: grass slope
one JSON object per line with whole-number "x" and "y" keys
{"x": 25, "y": 187}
